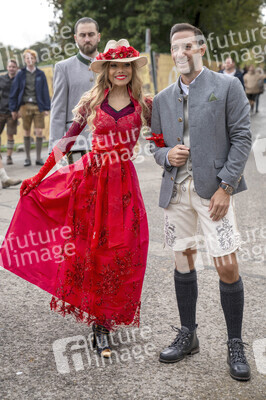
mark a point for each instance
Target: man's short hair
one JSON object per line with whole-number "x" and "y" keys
{"x": 33, "y": 53}
{"x": 231, "y": 58}
{"x": 187, "y": 27}
{"x": 86, "y": 20}
{"x": 12, "y": 60}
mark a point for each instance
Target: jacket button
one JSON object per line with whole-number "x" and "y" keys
{"x": 172, "y": 178}
{"x": 180, "y": 119}
{"x": 179, "y": 139}
{"x": 179, "y": 99}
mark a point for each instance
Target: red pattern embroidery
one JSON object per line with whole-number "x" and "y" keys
{"x": 126, "y": 199}
{"x": 99, "y": 283}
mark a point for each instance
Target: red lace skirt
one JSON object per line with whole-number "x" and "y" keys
{"x": 82, "y": 235}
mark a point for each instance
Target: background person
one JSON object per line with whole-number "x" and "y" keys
{"x": 73, "y": 77}
{"x": 5, "y": 114}
{"x": 30, "y": 97}
{"x": 252, "y": 86}
{"x": 259, "y": 71}
{"x": 231, "y": 70}
{"x": 4, "y": 178}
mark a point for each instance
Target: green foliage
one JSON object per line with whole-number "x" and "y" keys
{"x": 118, "y": 19}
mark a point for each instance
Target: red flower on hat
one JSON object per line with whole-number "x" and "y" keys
{"x": 131, "y": 52}
{"x": 119, "y": 53}
{"x": 109, "y": 55}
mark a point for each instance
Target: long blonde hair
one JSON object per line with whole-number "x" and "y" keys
{"x": 95, "y": 96}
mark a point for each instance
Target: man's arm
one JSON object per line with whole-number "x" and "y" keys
{"x": 13, "y": 96}
{"x": 167, "y": 157}
{"x": 1, "y": 86}
{"x": 59, "y": 106}
{"x": 242, "y": 80}
{"x": 46, "y": 96}
{"x": 238, "y": 123}
{"x": 238, "y": 126}
{"x": 158, "y": 152}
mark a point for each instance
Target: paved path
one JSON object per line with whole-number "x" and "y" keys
{"x": 46, "y": 356}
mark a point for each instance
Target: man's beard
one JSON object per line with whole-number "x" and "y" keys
{"x": 87, "y": 49}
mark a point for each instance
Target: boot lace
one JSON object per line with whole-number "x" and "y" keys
{"x": 236, "y": 350}
{"x": 181, "y": 338}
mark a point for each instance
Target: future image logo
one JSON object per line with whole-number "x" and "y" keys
{"x": 71, "y": 352}
{"x": 77, "y": 353}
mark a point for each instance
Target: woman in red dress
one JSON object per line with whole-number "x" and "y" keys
{"x": 82, "y": 234}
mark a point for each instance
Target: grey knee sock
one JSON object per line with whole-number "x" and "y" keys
{"x": 10, "y": 144}
{"x": 186, "y": 289}
{"x": 38, "y": 148}
{"x": 27, "y": 146}
{"x": 232, "y": 300}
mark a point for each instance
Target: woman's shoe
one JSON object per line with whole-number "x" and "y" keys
{"x": 100, "y": 341}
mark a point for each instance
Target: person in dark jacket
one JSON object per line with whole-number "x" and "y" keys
{"x": 6, "y": 119}
{"x": 29, "y": 98}
{"x": 230, "y": 69}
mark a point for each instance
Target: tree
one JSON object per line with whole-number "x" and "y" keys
{"x": 118, "y": 19}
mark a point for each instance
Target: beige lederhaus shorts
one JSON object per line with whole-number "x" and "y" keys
{"x": 181, "y": 220}
{"x": 30, "y": 112}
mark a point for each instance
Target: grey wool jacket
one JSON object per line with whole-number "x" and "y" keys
{"x": 219, "y": 129}
{"x": 72, "y": 78}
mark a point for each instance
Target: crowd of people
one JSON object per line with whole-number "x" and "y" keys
{"x": 96, "y": 202}
{"x": 251, "y": 78}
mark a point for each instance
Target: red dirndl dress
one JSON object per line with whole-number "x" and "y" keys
{"x": 82, "y": 234}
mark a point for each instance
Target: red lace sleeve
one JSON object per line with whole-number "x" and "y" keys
{"x": 147, "y": 113}
{"x": 67, "y": 141}
{"x": 59, "y": 150}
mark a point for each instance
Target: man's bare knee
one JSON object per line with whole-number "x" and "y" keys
{"x": 227, "y": 268}
{"x": 184, "y": 260}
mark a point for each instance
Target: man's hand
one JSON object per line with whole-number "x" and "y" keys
{"x": 178, "y": 155}
{"x": 219, "y": 204}
{"x": 14, "y": 115}
{"x": 46, "y": 113}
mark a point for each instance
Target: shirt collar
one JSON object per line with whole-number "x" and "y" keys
{"x": 31, "y": 71}
{"x": 88, "y": 57}
{"x": 185, "y": 88}
{"x": 85, "y": 59}
{"x": 230, "y": 73}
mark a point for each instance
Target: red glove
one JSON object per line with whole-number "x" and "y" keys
{"x": 157, "y": 139}
{"x": 30, "y": 183}
{"x": 62, "y": 147}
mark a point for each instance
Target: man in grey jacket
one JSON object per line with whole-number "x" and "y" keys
{"x": 73, "y": 77}
{"x": 204, "y": 119}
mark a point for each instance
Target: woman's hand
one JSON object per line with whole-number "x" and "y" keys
{"x": 29, "y": 184}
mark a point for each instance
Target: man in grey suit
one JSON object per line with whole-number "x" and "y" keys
{"x": 73, "y": 77}
{"x": 204, "y": 119}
